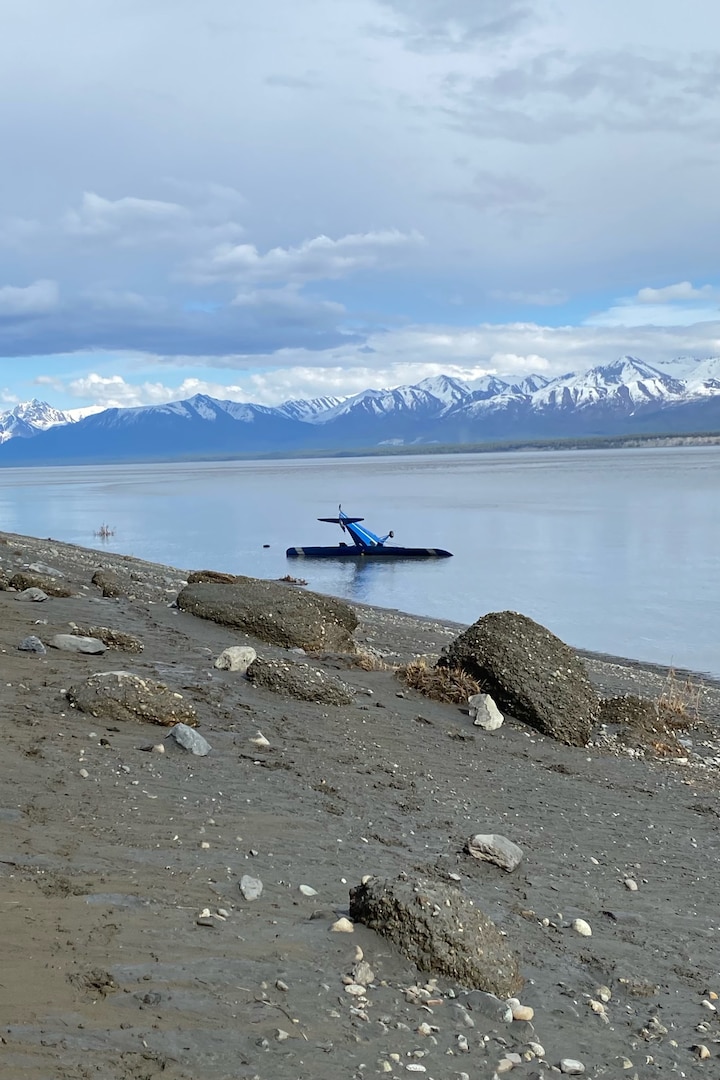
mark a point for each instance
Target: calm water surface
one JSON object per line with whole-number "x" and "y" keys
{"x": 613, "y": 550}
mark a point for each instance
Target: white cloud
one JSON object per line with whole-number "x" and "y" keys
{"x": 136, "y": 222}
{"x": 319, "y": 259}
{"x": 36, "y": 299}
{"x": 681, "y": 290}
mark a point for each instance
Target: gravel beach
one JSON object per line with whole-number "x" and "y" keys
{"x": 137, "y": 942}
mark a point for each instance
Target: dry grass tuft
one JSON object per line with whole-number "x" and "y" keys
{"x": 678, "y": 703}
{"x": 452, "y": 686}
{"x": 368, "y": 661}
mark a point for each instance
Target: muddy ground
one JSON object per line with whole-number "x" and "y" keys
{"x": 110, "y": 853}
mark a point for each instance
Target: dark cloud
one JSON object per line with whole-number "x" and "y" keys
{"x": 266, "y": 322}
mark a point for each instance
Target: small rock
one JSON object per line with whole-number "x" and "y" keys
{"x": 604, "y": 993}
{"x": 484, "y": 712}
{"x": 281, "y": 1035}
{"x": 343, "y": 926}
{"x": 496, "y": 849}
{"x": 260, "y": 741}
{"x": 362, "y": 973}
{"x": 583, "y": 928}
{"x": 702, "y": 1052}
{"x": 74, "y": 643}
{"x": 521, "y": 1012}
{"x": 307, "y": 890}
{"x": 538, "y": 1049}
{"x": 32, "y": 644}
{"x": 43, "y": 568}
{"x": 84, "y": 773}
{"x": 33, "y": 595}
{"x": 236, "y": 658}
{"x": 280, "y": 984}
{"x": 630, "y": 884}
{"x": 189, "y": 740}
{"x": 356, "y": 989}
{"x": 159, "y": 748}
{"x": 251, "y": 887}
{"x": 572, "y": 1067}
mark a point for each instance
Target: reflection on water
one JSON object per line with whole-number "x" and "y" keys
{"x": 613, "y": 550}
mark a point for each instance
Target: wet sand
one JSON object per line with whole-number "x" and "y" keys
{"x": 106, "y": 971}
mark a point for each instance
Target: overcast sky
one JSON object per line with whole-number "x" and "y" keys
{"x": 290, "y": 198}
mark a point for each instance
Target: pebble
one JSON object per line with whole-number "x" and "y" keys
{"x": 251, "y": 887}
{"x": 260, "y": 741}
{"x": 84, "y": 773}
{"x": 159, "y": 748}
{"x": 572, "y": 1067}
{"x": 702, "y": 1052}
{"x": 307, "y": 890}
{"x": 604, "y": 993}
{"x": 538, "y": 1049}
{"x": 630, "y": 884}
{"x": 356, "y": 989}
{"x": 708, "y": 1005}
{"x": 415, "y": 1067}
{"x": 343, "y": 926}
{"x": 583, "y": 928}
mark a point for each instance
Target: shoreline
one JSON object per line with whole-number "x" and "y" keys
{"x": 101, "y": 555}
{"x": 132, "y": 952}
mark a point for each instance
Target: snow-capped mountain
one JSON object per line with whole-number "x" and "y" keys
{"x": 30, "y": 417}
{"x": 626, "y": 383}
{"x": 625, "y": 397}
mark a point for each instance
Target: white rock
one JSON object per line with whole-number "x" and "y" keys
{"x": 630, "y": 884}
{"x": 260, "y": 741}
{"x": 236, "y": 658}
{"x": 572, "y": 1067}
{"x": 307, "y": 890}
{"x": 491, "y": 847}
{"x": 484, "y": 712}
{"x": 343, "y": 926}
{"x": 75, "y": 643}
{"x": 581, "y": 927}
{"x": 356, "y": 989}
{"x": 251, "y": 887}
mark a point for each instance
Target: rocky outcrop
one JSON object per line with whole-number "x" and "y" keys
{"x": 216, "y": 576}
{"x": 530, "y": 673}
{"x": 274, "y": 612}
{"x": 114, "y": 639}
{"x": 299, "y": 681}
{"x": 28, "y": 579}
{"x": 122, "y": 695}
{"x": 109, "y": 583}
{"x": 440, "y": 931}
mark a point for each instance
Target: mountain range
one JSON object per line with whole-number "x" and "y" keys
{"x": 625, "y": 397}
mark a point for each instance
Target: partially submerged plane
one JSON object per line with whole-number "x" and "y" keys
{"x": 365, "y": 545}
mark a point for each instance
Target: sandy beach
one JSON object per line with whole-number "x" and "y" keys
{"x": 130, "y": 950}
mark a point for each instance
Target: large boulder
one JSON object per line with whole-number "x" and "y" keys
{"x": 530, "y": 673}
{"x": 299, "y": 681}
{"x": 440, "y": 931}
{"x": 109, "y": 583}
{"x": 274, "y": 612}
{"x": 122, "y": 695}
